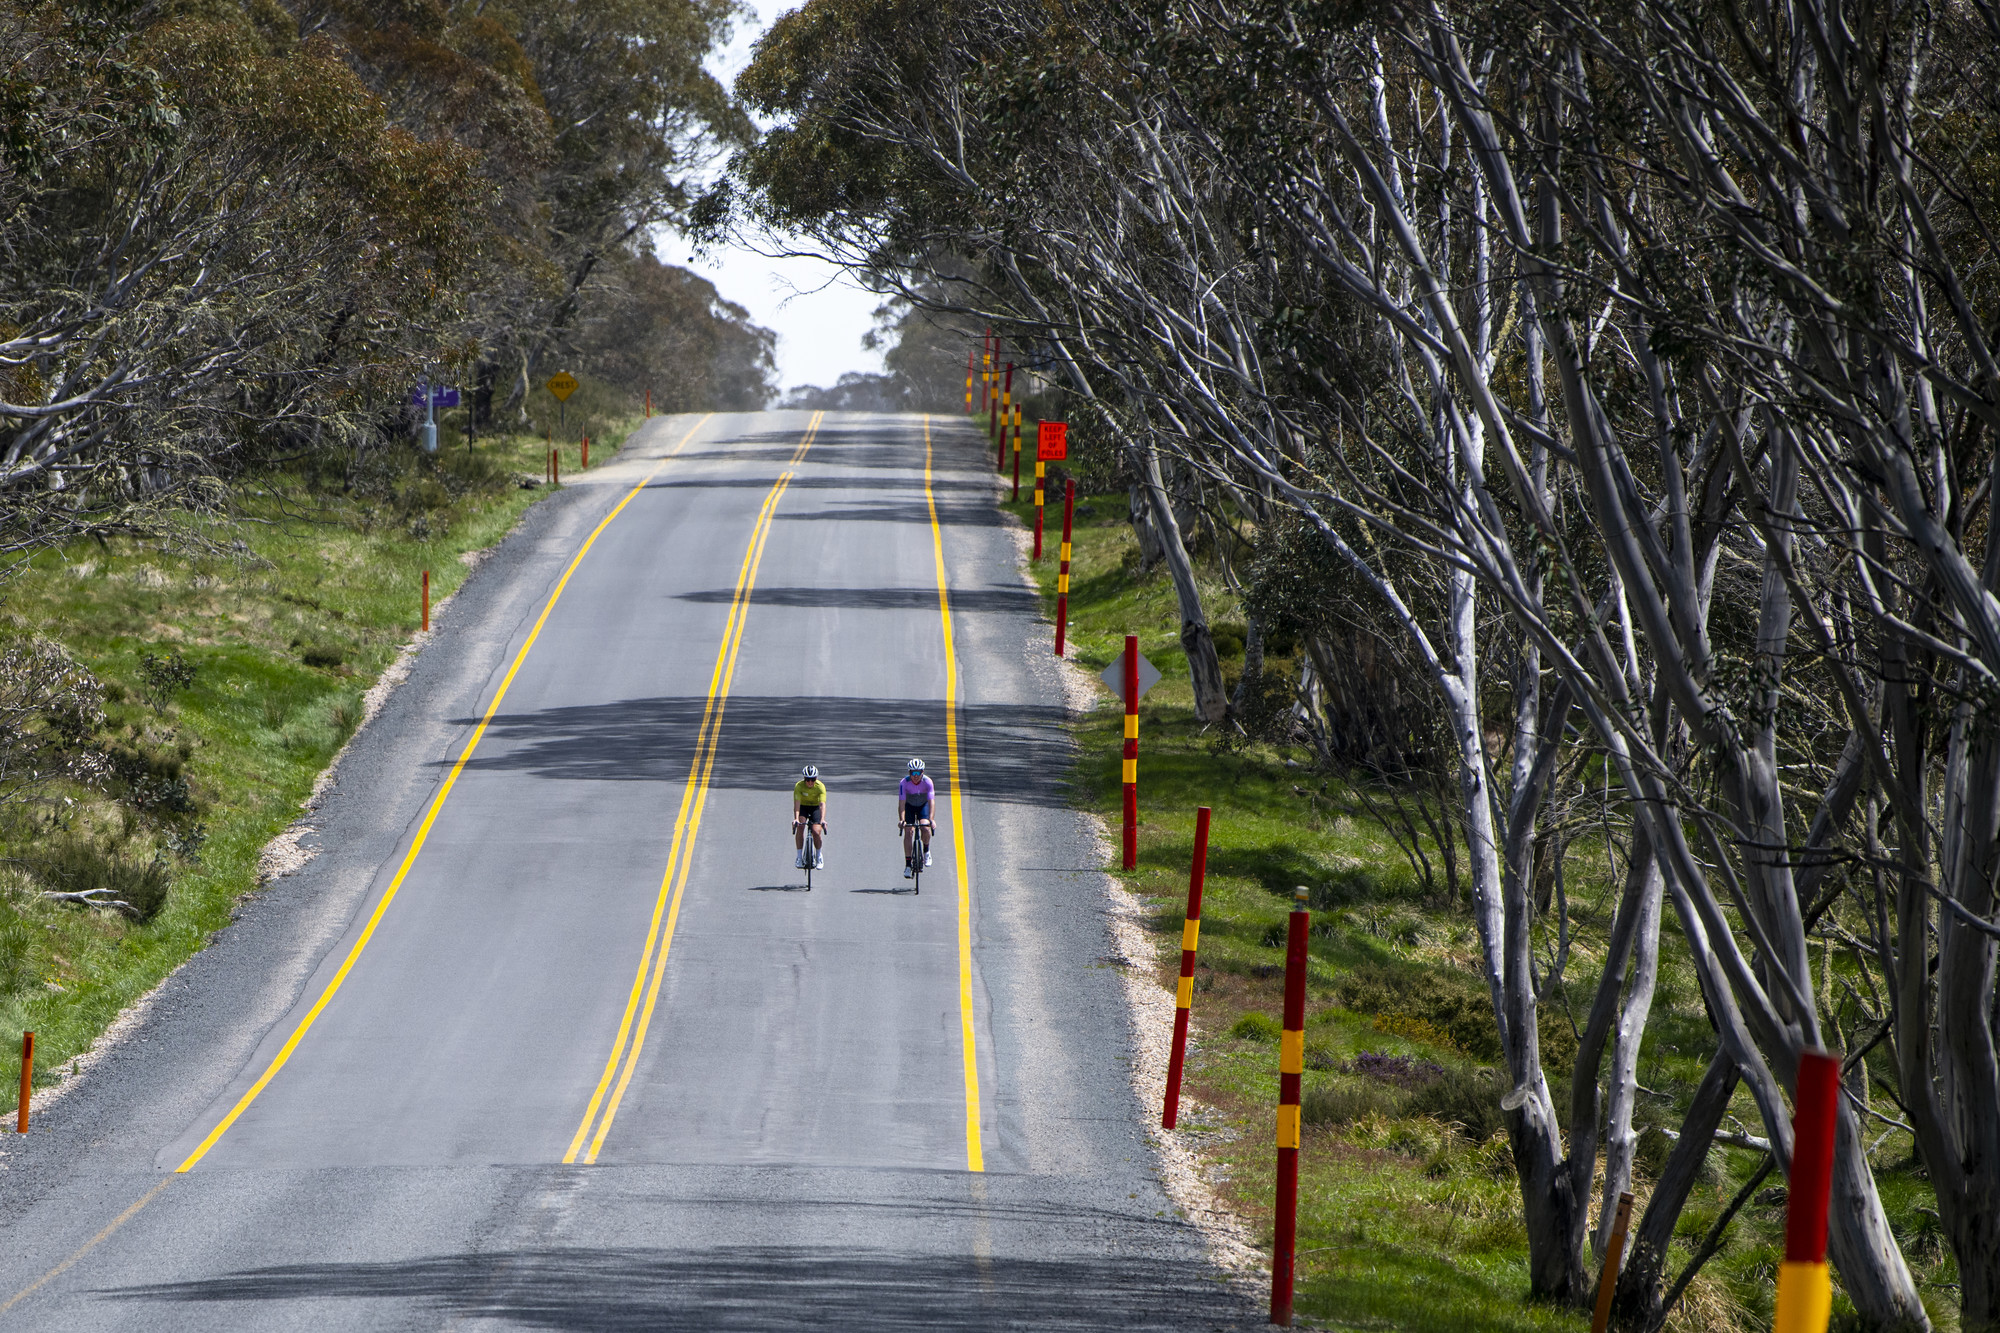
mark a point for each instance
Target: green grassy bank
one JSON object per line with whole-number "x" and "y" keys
{"x": 231, "y": 672}
{"x": 1410, "y": 1215}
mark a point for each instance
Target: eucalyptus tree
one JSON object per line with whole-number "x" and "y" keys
{"x": 1665, "y": 332}
{"x": 206, "y": 245}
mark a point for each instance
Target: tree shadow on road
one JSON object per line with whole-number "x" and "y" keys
{"x": 1010, "y": 753}
{"x": 752, "y": 1288}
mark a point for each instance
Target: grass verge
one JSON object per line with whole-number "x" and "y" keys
{"x": 1410, "y": 1214}
{"x": 231, "y": 677}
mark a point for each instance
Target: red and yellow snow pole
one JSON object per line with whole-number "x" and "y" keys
{"x": 1805, "y": 1289}
{"x": 1291, "y": 1069}
{"x": 1040, "y": 469}
{"x": 1184, "y": 991}
{"x": 1017, "y": 452}
{"x": 1062, "y": 573}
{"x": 1006, "y": 411}
{"x": 1131, "y": 773}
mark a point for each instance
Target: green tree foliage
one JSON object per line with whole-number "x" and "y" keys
{"x": 235, "y": 230}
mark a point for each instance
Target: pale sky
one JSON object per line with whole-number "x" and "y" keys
{"x": 819, "y": 317}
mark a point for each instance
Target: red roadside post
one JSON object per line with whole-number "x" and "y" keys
{"x": 1017, "y": 453}
{"x": 1291, "y": 1066}
{"x": 1131, "y": 773}
{"x": 1805, "y": 1290}
{"x": 1006, "y": 411}
{"x": 1184, "y": 991}
{"x": 27, "y": 1081}
{"x": 1040, "y": 467}
{"x": 555, "y": 465}
{"x": 649, "y": 404}
{"x": 1062, "y": 574}
{"x": 586, "y": 455}
{"x": 427, "y": 601}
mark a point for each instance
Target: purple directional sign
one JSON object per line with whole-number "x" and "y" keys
{"x": 441, "y": 396}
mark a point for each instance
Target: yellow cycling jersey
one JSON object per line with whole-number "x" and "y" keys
{"x": 809, "y": 794}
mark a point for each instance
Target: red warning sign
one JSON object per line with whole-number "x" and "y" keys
{"x": 1052, "y": 444}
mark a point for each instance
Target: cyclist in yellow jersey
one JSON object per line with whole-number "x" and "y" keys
{"x": 809, "y": 812}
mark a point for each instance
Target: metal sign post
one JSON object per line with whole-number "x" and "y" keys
{"x": 562, "y": 384}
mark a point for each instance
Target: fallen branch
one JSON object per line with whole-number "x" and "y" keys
{"x": 90, "y": 898}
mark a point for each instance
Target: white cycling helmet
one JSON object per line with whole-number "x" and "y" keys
{"x": 809, "y": 773}
{"x": 916, "y": 765}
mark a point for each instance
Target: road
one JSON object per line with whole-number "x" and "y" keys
{"x": 549, "y": 1033}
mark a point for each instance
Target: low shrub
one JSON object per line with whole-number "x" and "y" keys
{"x": 1337, "y": 1102}
{"x": 1457, "y": 1007}
{"x": 17, "y": 943}
{"x": 1255, "y": 1026}
{"x": 1402, "y": 1071}
{"x": 1467, "y": 1100}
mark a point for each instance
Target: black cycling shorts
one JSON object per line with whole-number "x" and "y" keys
{"x": 916, "y": 811}
{"x": 809, "y": 813}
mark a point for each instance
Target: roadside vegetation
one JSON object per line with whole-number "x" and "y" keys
{"x": 1607, "y": 458}
{"x": 238, "y": 236}
{"x": 204, "y": 689}
{"x": 1410, "y": 1212}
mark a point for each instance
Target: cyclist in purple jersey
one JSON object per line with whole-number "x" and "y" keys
{"x": 915, "y": 793}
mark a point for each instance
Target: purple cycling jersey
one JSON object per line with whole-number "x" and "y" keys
{"x": 917, "y": 790}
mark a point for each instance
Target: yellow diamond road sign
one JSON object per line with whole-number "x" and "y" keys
{"x": 562, "y": 385}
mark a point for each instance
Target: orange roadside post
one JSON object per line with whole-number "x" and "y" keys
{"x": 1291, "y": 1068}
{"x": 1614, "y": 1254}
{"x": 1805, "y": 1289}
{"x": 1184, "y": 991}
{"x": 27, "y": 1081}
{"x": 971, "y": 368}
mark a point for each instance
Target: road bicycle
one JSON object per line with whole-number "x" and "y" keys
{"x": 920, "y": 844}
{"x": 812, "y": 853}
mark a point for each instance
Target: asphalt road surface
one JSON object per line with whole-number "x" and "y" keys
{"x": 550, "y": 1034}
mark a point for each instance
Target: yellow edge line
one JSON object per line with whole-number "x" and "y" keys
{"x": 687, "y": 826}
{"x": 284, "y": 1054}
{"x": 85, "y": 1248}
{"x": 975, "y": 1153}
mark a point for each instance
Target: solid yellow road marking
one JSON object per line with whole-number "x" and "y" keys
{"x": 85, "y": 1248}
{"x": 975, "y": 1153}
{"x": 284, "y": 1054}
{"x": 639, "y": 1004}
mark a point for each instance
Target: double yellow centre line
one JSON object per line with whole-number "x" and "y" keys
{"x": 645, "y": 994}
{"x": 284, "y": 1054}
